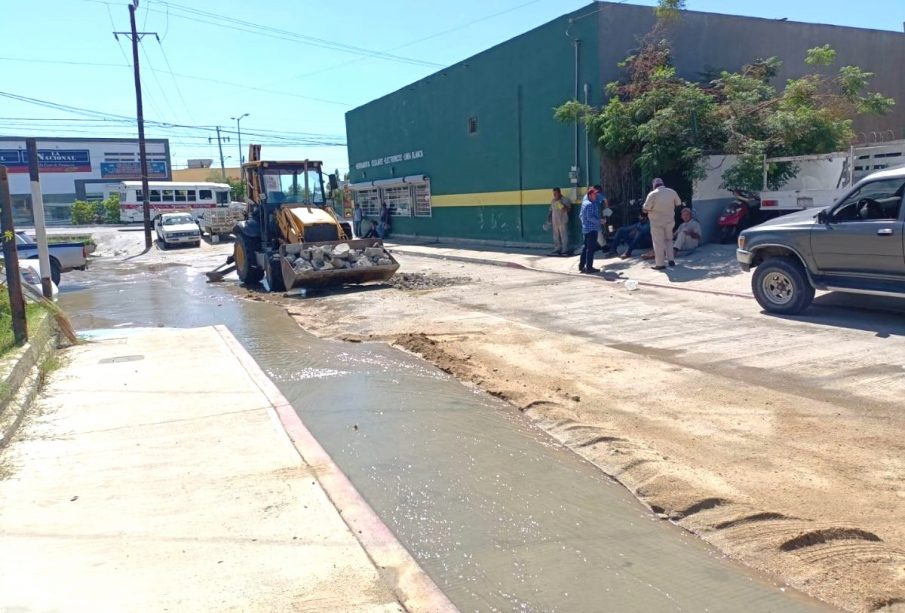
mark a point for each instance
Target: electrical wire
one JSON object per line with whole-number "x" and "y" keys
{"x": 173, "y": 77}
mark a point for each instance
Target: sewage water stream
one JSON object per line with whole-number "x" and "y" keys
{"x": 499, "y": 515}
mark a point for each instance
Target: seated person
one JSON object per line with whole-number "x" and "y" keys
{"x": 635, "y": 236}
{"x": 688, "y": 235}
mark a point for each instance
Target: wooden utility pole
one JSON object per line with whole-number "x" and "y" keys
{"x": 220, "y": 145}
{"x": 37, "y": 207}
{"x": 11, "y": 258}
{"x": 136, "y": 36}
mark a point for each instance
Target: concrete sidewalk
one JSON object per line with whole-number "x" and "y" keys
{"x": 710, "y": 268}
{"x": 158, "y": 475}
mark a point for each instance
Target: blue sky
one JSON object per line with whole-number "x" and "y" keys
{"x": 315, "y": 62}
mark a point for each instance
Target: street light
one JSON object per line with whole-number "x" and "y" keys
{"x": 239, "y": 133}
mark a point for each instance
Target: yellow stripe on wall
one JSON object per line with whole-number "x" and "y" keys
{"x": 511, "y": 198}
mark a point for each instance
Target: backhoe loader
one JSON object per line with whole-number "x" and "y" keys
{"x": 290, "y": 238}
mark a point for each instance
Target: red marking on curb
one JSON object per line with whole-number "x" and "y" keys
{"x": 415, "y": 590}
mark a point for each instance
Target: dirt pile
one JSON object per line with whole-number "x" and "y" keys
{"x": 415, "y": 281}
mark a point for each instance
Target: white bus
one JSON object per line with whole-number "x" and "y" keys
{"x": 171, "y": 197}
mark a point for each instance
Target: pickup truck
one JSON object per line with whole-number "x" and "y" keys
{"x": 63, "y": 256}
{"x": 856, "y": 245}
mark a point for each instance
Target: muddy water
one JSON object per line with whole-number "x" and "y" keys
{"x": 501, "y": 518}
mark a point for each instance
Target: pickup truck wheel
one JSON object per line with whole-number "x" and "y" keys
{"x": 244, "y": 259}
{"x": 781, "y": 286}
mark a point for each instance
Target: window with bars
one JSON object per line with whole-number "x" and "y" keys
{"x": 422, "y": 192}
{"x": 398, "y": 200}
{"x": 369, "y": 201}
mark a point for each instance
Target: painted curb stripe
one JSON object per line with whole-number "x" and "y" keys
{"x": 415, "y": 590}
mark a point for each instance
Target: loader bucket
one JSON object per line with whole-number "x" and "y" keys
{"x": 294, "y": 278}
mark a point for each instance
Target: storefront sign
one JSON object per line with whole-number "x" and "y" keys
{"x": 49, "y": 160}
{"x": 132, "y": 170}
{"x": 390, "y": 159}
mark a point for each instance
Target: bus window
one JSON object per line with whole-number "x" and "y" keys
{"x": 180, "y": 195}
{"x": 222, "y": 197}
{"x": 190, "y": 195}
{"x": 155, "y": 195}
{"x": 139, "y": 195}
{"x": 205, "y": 194}
{"x": 168, "y": 195}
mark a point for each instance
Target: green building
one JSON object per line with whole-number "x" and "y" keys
{"x": 472, "y": 151}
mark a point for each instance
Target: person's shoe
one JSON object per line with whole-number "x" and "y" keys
{"x": 672, "y": 262}
{"x": 581, "y": 270}
{"x": 625, "y": 256}
{"x": 591, "y": 270}
{"x": 658, "y": 267}
{"x": 555, "y": 253}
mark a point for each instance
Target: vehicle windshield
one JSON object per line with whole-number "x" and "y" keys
{"x": 288, "y": 186}
{"x": 177, "y": 220}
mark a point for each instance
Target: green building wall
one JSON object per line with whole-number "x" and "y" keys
{"x": 493, "y": 184}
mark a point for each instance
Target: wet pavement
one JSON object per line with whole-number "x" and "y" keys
{"x": 499, "y": 515}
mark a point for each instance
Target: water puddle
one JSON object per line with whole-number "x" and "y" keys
{"x": 500, "y": 516}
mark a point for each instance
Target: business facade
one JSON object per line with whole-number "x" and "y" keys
{"x": 77, "y": 169}
{"x": 473, "y": 150}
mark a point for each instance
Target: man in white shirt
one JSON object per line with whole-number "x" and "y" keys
{"x": 688, "y": 236}
{"x": 661, "y": 206}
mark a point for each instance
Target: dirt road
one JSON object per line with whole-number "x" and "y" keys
{"x": 780, "y": 441}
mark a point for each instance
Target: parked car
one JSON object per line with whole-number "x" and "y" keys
{"x": 63, "y": 256}
{"x": 177, "y": 229}
{"x": 28, "y": 274}
{"x": 855, "y": 245}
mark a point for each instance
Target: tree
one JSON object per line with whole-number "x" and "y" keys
{"x": 659, "y": 124}
{"x": 236, "y": 187}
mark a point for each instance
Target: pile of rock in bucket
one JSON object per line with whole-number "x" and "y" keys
{"x": 335, "y": 257}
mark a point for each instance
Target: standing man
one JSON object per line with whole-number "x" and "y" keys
{"x": 661, "y": 206}
{"x": 357, "y": 217}
{"x": 590, "y": 224}
{"x": 383, "y": 227}
{"x": 559, "y": 216}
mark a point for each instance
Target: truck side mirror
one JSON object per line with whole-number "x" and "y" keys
{"x": 334, "y": 182}
{"x": 822, "y": 217}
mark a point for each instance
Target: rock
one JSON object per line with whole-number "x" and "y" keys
{"x": 374, "y": 252}
{"x": 384, "y": 261}
{"x": 341, "y": 250}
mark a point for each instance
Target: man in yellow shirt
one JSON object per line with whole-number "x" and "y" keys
{"x": 559, "y": 219}
{"x": 661, "y": 206}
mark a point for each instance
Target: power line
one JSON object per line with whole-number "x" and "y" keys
{"x": 173, "y": 77}
{"x": 241, "y": 25}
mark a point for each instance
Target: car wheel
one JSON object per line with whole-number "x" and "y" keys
{"x": 781, "y": 286}
{"x": 197, "y": 243}
{"x": 55, "y": 271}
{"x": 163, "y": 243}
{"x": 243, "y": 255}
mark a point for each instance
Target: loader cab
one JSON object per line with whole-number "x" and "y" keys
{"x": 293, "y": 184}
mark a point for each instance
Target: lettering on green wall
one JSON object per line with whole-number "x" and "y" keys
{"x": 390, "y": 159}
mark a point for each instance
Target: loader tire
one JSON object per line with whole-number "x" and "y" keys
{"x": 244, "y": 257}
{"x": 275, "y": 277}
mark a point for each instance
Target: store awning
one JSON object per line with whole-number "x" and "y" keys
{"x": 395, "y": 182}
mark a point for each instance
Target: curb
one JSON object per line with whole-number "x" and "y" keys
{"x": 21, "y": 377}
{"x": 508, "y": 264}
{"x": 414, "y": 589}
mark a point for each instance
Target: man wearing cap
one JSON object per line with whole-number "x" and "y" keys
{"x": 590, "y": 225}
{"x": 661, "y": 206}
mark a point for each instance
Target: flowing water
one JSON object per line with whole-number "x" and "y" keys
{"x": 499, "y": 515}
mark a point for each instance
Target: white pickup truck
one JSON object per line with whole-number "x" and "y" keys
{"x": 63, "y": 256}
{"x": 219, "y": 222}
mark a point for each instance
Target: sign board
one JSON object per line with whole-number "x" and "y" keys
{"x": 390, "y": 159}
{"x": 132, "y": 170}
{"x": 49, "y": 160}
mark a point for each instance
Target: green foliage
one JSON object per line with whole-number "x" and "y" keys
{"x": 83, "y": 213}
{"x": 668, "y": 10}
{"x": 663, "y": 125}
{"x": 820, "y": 56}
{"x": 111, "y": 209}
{"x": 236, "y": 189}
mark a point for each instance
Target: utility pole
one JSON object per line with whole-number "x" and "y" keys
{"x": 136, "y": 37}
{"x": 239, "y": 132}
{"x": 11, "y": 259}
{"x": 220, "y": 145}
{"x": 37, "y": 207}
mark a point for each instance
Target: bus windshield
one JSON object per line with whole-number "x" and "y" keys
{"x": 288, "y": 186}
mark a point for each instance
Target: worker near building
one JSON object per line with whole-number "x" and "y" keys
{"x": 590, "y": 225}
{"x": 560, "y": 207}
{"x": 688, "y": 236}
{"x": 357, "y": 217}
{"x": 383, "y": 226}
{"x": 660, "y": 205}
